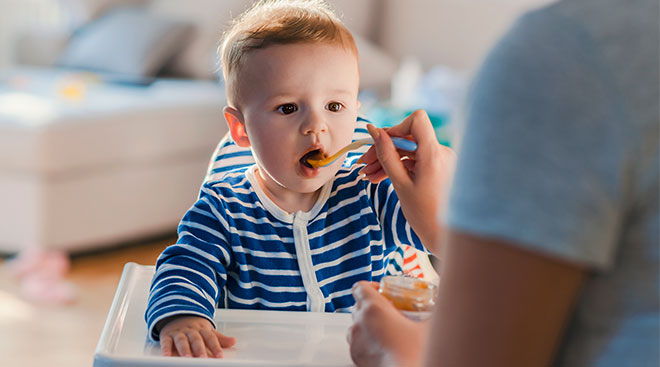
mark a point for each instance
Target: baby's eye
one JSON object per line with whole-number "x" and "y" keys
{"x": 335, "y": 106}
{"x": 287, "y": 108}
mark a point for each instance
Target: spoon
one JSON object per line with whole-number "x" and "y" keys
{"x": 401, "y": 143}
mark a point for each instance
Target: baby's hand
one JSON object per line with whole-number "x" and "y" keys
{"x": 190, "y": 336}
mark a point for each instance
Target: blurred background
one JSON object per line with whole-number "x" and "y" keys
{"x": 110, "y": 111}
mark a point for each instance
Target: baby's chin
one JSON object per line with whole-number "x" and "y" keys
{"x": 305, "y": 180}
{"x": 308, "y": 186}
{"x": 312, "y": 184}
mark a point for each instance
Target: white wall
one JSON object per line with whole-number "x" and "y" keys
{"x": 17, "y": 16}
{"x": 452, "y": 32}
{"x": 456, "y": 33}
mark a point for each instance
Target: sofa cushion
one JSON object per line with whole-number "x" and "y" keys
{"x": 45, "y": 132}
{"x": 128, "y": 41}
{"x": 209, "y": 18}
{"x": 108, "y": 164}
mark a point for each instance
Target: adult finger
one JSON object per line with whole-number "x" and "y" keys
{"x": 197, "y": 344}
{"x": 409, "y": 164}
{"x": 363, "y": 290}
{"x": 407, "y": 155}
{"x": 376, "y": 177}
{"x": 374, "y": 285}
{"x": 389, "y": 158}
{"x": 369, "y": 156}
{"x": 418, "y": 125}
{"x": 212, "y": 343}
{"x": 371, "y": 168}
{"x": 182, "y": 345}
{"x": 166, "y": 345}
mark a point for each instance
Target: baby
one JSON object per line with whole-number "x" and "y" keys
{"x": 280, "y": 234}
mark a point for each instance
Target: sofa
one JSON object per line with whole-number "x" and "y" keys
{"x": 107, "y": 125}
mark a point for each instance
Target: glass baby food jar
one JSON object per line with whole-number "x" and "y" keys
{"x": 414, "y": 297}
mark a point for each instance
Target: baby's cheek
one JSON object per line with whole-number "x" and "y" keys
{"x": 267, "y": 152}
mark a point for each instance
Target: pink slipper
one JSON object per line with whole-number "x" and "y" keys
{"x": 41, "y": 274}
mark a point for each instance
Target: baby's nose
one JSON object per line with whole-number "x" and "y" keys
{"x": 314, "y": 125}
{"x": 311, "y": 131}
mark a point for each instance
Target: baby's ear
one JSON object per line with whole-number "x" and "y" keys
{"x": 236, "y": 125}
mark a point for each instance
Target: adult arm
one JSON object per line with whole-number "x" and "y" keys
{"x": 500, "y": 305}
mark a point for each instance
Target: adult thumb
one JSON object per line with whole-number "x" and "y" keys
{"x": 388, "y": 157}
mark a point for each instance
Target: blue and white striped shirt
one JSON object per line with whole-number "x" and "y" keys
{"x": 234, "y": 236}
{"x": 405, "y": 260}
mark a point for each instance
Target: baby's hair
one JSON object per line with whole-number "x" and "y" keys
{"x": 271, "y": 22}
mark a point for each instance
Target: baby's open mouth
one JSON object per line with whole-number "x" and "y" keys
{"x": 313, "y": 154}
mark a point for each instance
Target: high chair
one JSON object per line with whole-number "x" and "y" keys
{"x": 264, "y": 338}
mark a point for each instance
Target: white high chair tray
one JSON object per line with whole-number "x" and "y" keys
{"x": 263, "y": 338}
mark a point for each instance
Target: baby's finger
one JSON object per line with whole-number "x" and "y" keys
{"x": 182, "y": 345}
{"x": 225, "y": 341}
{"x": 212, "y": 343}
{"x": 197, "y": 344}
{"x": 166, "y": 345}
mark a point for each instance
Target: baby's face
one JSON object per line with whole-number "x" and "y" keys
{"x": 297, "y": 99}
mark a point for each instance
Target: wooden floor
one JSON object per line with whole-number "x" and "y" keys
{"x": 38, "y": 335}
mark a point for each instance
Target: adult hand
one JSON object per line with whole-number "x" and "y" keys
{"x": 421, "y": 179}
{"x": 190, "y": 336}
{"x": 380, "y": 334}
